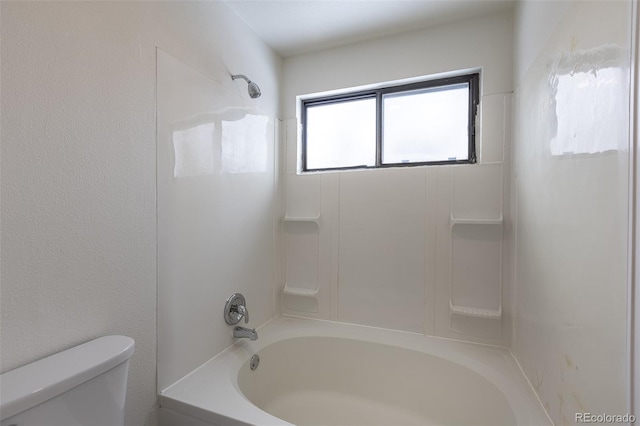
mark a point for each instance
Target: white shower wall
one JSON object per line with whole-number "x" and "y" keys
{"x": 216, "y": 198}
{"x": 382, "y": 243}
{"x": 571, "y": 174}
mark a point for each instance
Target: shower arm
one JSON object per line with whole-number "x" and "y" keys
{"x": 242, "y": 76}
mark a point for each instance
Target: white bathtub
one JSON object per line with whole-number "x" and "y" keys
{"x": 323, "y": 373}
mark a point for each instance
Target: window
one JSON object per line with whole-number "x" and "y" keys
{"x": 430, "y": 122}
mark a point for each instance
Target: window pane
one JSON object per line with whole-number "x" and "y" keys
{"x": 426, "y": 125}
{"x": 341, "y": 134}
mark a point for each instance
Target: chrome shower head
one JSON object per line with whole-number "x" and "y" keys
{"x": 254, "y": 90}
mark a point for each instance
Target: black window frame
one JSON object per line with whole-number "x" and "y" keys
{"x": 472, "y": 79}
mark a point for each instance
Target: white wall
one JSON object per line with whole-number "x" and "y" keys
{"x": 78, "y": 167}
{"x": 571, "y": 176}
{"x": 382, "y": 244}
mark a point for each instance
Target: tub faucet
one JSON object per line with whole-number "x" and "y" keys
{"x": 241, "y": 333}
{"x": 234, "y": 310}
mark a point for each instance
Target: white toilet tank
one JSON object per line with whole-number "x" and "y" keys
{"x": 83, "y": 386}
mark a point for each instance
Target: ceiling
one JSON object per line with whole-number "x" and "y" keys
{"x": 293, "y": 27}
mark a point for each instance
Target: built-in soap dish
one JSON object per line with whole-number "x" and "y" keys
{"x": 453, "y": 221}
{"x": 296, "y": 291}
{"x": 300, "y": 299}
{"x": 475, "y": 312}
{"x": 302, "y": 219}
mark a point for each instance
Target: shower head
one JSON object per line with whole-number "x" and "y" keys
{"x": 254, "y": 90}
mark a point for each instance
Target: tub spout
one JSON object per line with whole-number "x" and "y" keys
{"x": 241, "y": 333}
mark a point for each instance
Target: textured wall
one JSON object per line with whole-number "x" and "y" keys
{"x": 571, "y": 149}
{"x": 78, "y": 167}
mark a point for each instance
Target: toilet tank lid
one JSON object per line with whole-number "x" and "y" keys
{"x": 35, "y": 383}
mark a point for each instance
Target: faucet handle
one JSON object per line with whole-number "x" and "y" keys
{"x": 243, "y": 312}
{"x": 235, "y": 309}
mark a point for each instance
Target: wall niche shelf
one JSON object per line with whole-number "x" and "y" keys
{"x": 476, "y": 312}
{"x": 453, "y": 221}
{"x": 299, "y": 291}
{"x": 476, "y": 267}
{"x": 302, "y": 219}
{"x": 302, "y": 248}
{"x": 300, "y": 299}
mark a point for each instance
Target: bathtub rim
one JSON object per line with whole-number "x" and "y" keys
{"x": 191, "y": 396}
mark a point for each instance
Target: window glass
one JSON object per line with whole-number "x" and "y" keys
{"x": 341, "y": 134}
{"x": 426, "y": 125}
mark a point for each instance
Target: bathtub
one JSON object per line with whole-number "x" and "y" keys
{"x": 324, "y": 373}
